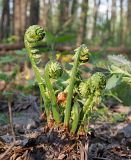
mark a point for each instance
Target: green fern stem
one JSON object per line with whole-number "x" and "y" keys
{"x": 55, "y": 109}
{"x": 87, "y": 103}
{"x": 40, "y": 84}
{"x": 76, "y": 117}
{"x": 32, "y": 39}
{"x": 87, "y": 108}
{"x": 71, "y": 87}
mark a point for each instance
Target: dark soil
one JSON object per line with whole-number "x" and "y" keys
{"x": 35, "y": 141}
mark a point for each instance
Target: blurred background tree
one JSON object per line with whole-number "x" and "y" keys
{"x": 97, "y": 22}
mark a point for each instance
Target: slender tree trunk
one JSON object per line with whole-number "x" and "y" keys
{"x": 50, "y": 16}
{"x": 83, "y": 19}
{"x": 129, "y": 18}
{"x": 95, "y": 14}
{"x": 108, "y": 21}
{"x": 74, "y": 16}
{"x": 122, "y": 23}
{"x": 34, "y": 12}
{"x": 113, "y": 17}
{"x": 107, "y": 11}
{"x": 20, "y": 9}
{"x": 74, "y": 7}
{"x": 121, "y": 19}
{"x": 64, "y": 14}
{"x": 44, "y": 9}
{"x": 5, "y": 20}
{"x": 45, "y": 14}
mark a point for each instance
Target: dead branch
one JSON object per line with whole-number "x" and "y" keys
{"x": 10, "y": 47}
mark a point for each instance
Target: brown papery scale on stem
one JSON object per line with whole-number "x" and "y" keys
{"x": 61, "y": 98}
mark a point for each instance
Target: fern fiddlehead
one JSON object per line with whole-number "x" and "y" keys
{"x": 98, "y": 83}
{"x": 33, "y": 37}
{"x": 81, "y": 54}
{"x": 84, "y": 88}
{"x": 53, "y": 70}
{"x": 92, "y": 89}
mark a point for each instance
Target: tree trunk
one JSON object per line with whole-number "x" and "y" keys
{"x": 113, "y": 17}
{"x": 107, "y": 11}
{"x": 95, "y": 14}
{"x": 74, "y": 7}
{"x": 44, "y": 8}
{"x": 83, "y": 19}
{"x": 20, "y": 9}
{"x": 121, "y": 23}
{"x": 45, "y": 14}
{"x": 34, "y": 12}
{"x": 64, "y": 13}
{"x": 108, "y": 21}
{"x": 50, "y": 16}
{"x": 129, "y": 18}
{"x": 5, "y": 20}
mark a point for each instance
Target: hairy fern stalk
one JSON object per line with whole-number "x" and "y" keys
{"x": 68, "y": 101}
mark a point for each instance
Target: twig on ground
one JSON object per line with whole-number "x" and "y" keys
{"x": 11, "y": 121}
{"x": 5, "y": 153}
{"x": 84, "y": 150}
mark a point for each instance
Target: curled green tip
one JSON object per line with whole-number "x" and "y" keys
{"x": 34, "y": 34}
{"x": 84, "y": 88}
{"x": 55, "y": 69}
{"x": 98, "y": 81}
{"x": 84, "y": 53}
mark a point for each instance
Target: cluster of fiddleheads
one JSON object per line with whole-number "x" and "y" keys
{"x": 73, "y": 101}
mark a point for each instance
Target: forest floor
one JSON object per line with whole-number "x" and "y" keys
{"x": 109, "y": 137}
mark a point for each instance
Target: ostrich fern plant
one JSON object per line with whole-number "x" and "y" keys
{"x": 73, "y": 105}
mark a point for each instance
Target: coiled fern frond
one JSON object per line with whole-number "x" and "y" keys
{"x": 33, "y": 38}
{"x": 98, "y": 82}
{"x": 33, "y": 35}
{"x": 85, "y": 88}
{"x": 54, "y": 68}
